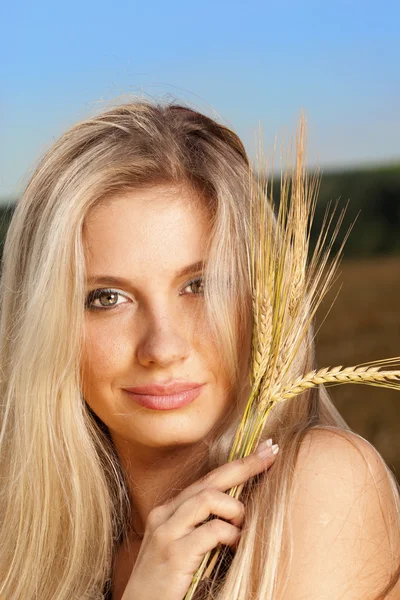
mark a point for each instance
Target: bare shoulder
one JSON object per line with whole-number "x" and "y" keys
{"x": 343, "y": 519}
{"x": 341, "y": 453}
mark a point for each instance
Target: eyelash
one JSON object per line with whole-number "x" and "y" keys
{"x": 96, "y": 294}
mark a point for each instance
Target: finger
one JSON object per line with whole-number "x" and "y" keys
{"x": 225, "y": 477}
{"x": 198, "y": 508}
{"x": 201, "y": 540}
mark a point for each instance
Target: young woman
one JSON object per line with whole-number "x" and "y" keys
{"x": 125, "y": 336}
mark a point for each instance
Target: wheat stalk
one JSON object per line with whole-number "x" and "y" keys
{"x": 326, "y": 376}
{"x": 286, "y": 292}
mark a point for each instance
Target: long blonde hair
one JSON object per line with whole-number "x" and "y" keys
{"x": 64, "y": 501}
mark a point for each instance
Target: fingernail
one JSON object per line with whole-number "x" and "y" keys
{"x": 264, "y": 447}
{"x": 275, "y": 448}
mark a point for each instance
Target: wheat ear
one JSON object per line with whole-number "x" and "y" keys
{"x": 286, "y": 292}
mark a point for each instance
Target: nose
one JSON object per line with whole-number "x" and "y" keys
{"x": 165, "y": 340}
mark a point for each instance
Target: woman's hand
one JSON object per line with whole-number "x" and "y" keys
{"x": 175, "y": 542}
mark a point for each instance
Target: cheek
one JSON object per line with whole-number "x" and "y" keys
{"x": 207, "y": 348}
{"x": 103, "y": 358}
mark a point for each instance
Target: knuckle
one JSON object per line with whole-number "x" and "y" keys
{"x": 174, "y": 561}
{"x": 243, "y": 462}
{"x": 169, "y": 553}
{"x": 209, "y": 477}
{"x": 159, "y": 536}
{"x": 205, "y": 495}
{"x": 155, "y": 516}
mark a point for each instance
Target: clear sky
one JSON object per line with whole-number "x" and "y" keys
{"x": 244, "y": 62}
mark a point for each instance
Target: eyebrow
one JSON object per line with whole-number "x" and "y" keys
{"x": 111, "y": 280}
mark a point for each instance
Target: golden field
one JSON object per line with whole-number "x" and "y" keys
{"x": 363, "y": 325}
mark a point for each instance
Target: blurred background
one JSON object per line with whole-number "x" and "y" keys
{"x": 249, "y": 64}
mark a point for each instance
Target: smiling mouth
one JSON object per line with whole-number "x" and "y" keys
{"x": 166, "y": 401}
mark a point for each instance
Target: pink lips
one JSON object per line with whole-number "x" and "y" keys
{"x": 167, "y": 396}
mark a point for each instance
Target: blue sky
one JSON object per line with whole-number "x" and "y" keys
{"x": 243, "y": 62}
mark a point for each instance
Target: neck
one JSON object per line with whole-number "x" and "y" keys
{"x": 155, "y": 476}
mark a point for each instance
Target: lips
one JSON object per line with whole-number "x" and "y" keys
{"x": 167, "y": 396}
{"x": 164, "y": 389}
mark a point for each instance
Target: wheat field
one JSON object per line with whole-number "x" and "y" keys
{"x": 364, "y": 325}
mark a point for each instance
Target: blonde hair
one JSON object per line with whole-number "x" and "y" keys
{"x": 64, "y": 501}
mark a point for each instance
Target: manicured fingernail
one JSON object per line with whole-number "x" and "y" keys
{"x": 275, "y": 448}
{"x": 264, "y": 447}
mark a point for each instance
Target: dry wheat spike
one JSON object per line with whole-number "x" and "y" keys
{"x": 286, "y": 292}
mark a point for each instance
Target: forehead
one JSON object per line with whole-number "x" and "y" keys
{"x": 163, "y": 224}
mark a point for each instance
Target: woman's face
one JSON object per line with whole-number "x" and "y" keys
{"x": 152, "y": 328}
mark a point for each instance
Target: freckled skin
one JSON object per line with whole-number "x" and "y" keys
{"x": 157, "y": 332}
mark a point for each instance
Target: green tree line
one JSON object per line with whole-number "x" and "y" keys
{"x": 372, "y": 197}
